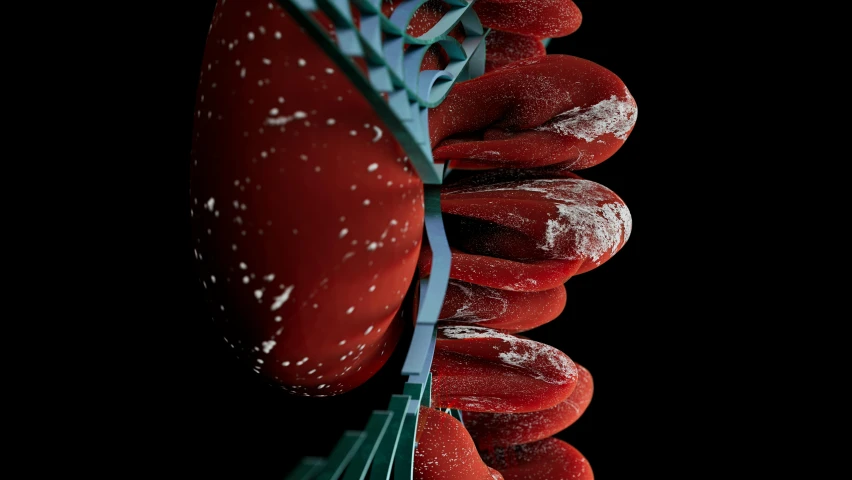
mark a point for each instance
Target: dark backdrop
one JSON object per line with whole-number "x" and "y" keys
{"x": 226, "y": 423}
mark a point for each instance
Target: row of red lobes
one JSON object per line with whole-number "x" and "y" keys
{"x": 288, "y": 158}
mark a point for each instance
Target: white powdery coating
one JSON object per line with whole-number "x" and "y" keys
{"x": 596, "y": 229}
{"x": 280, "y": 299}
{"x": 525, "y": 354}
{"x": 609, "y": 116}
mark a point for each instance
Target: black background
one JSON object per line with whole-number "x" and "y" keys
{"x": 624, "y": 321}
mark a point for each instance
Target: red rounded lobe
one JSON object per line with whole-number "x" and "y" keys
{"x": 307, "y": 217}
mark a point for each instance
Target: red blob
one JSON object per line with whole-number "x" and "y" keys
{"x": 482, "y": 370}
{"x": 534, "y": 112}
{"x": 491, "y": 430}
{"x": 549, "y": 459}
{"x": 531, "y": 234}
{"x": 503, "y": 310}
{"x": 537, "y": 18}
{"x": 445, "y": 450}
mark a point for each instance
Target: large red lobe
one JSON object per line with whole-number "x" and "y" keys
{"x": 307, "y": 219}
{"x": 548, "y": 459}
{"x": 537, "y": 18}
{"x": 503, "y": 310}
{"x": 503, "y": 48}
{"x": 534, "y": 112}
{"x": 531, "y": 233}
{"x": 545, "y": 219}
{"x": 483, "y": 370}
{"x": 445, "y": 450}
{"x": 491, "y": 430}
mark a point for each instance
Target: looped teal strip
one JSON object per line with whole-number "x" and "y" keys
{"x": 401, "y": 94}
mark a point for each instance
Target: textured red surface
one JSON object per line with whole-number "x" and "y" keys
{"x": 537, "y": 18}
{"x": 505, "y": 429}
{"x": 548, "y": 459}
{"x": 504, "y": 48}
{"x": 445, "y": 450}
{"x": 504, "y": 310}
{"x": 534, "y": 112}
{"x": 480, "y": 369}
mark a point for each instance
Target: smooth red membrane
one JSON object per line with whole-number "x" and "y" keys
{"x": 490, "y": 430}
{"x": 289, "y": 158}
{"x": 534, "y": 112}
{"x": 548, "y": 459}
{"x": 482, "y": 370}
{"x": 503, "y": 310}
{"x": 538, "y": 18}
{"x": 531, "y": 234}
{"x": 445, "y": 450}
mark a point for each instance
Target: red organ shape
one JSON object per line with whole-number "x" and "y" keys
{"x": 569, "y": 219}
{"x": 445, "y": 450}
{"x": 491, "y": 430}
{"x": 548, "y": 459}
{"x": 541, "y": 232}
{"x": 534, "y": 112}
{"x": 482, "y": 370}
{"x": 503, "y": 310}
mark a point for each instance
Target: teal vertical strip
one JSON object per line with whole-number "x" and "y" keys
{"x": 403, "y": 465}
{"x": 383, "y": 460}
{"x": 377, "y": 425}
